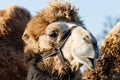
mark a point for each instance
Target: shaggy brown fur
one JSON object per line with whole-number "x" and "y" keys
{"x": 55, "y": 12}
{"x": 108, "y": 64}
{"x": 12, "y": 24}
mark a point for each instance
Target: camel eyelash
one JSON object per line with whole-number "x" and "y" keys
{"x": 53, "y": 34}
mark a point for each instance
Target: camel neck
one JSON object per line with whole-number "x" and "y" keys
{"x": 34, "y": 73}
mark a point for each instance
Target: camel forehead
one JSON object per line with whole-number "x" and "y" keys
{"x": 60, "y": 25}
{"x": 57, "y": 26}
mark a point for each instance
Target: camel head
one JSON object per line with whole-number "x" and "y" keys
{"x": 49, "y": 28}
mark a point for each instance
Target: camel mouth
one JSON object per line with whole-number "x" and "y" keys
{"x": 91, "y": 63}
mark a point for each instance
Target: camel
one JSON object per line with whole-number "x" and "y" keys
{"x": 13, "y": 20}
{"x": 57, "y": 44}
{"x": 108, "y": 64}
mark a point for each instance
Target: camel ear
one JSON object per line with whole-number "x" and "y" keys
{"x": 31, "y": 45}
{"x": 25, "y": 37}
{"x": 27, "y": 50}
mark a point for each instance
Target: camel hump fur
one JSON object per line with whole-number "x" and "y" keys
{"x": 13, "y": 21}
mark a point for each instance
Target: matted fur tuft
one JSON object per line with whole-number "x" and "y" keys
{"x": 56, "y": 11}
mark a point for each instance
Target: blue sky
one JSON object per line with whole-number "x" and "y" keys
{"x": 93, "y": 12}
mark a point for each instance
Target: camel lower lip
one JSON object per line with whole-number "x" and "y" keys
{"x": 91, "y": 63}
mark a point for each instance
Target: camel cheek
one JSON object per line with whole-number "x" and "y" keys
{"x": 44, "y": 43}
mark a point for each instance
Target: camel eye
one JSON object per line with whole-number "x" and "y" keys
{"x": 53, "y": 34}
